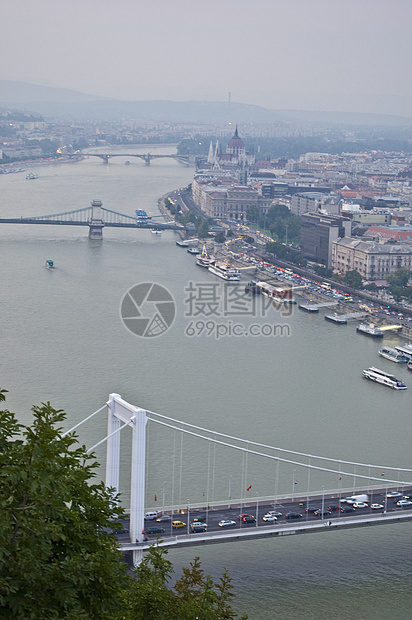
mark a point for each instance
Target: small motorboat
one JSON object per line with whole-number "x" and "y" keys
{"x": 50, "y": 264}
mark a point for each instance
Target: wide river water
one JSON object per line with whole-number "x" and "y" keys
{"x": 63, "y": 341}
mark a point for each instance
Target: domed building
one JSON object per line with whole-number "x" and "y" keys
{"x": 235, "y": 155}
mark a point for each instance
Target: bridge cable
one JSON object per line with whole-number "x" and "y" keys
{"x": 272, "y": 457}
{"x": 261, "y": 445}
{"x": 83, "y": 421}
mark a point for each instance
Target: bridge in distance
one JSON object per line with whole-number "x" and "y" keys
{"x": 147, "y": 157}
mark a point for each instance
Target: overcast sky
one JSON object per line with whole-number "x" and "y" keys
{"x": 344, "y": 55}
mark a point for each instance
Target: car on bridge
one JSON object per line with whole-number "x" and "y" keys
{"x": 394, "y": 494}
{"x": 198, "y": 527}
{"x": 360, "y": 505}
{"x": 347, "y": 509}
{"x": 377, "y": 506}
{"x": 177, "y": 524}
{"x": 322, "y": 513}
{"x": 154, "y": 530}
{"x": 403, "y": 503}
{"x": 293, "y": 515}
{"x": 226, "y": 523}
{"x": 270, "y": 518}
{"x": 164, "y": 518}
{"x": 312, "y": 509}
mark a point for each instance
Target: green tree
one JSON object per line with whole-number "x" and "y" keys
{"x": 194, "y": 595}
{"x": 203, "y": 229}
{"x": 399, "y": 278}
{"x": 353, "y": 278}
{"x": 56, "y": 559}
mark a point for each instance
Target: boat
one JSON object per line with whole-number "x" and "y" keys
{"x": 155, "y": 231}
{"x": 384, "y": 378}
{"x": 252, "y": 287}
{"x": 335, "y": 318}
{"x": 50, "y": 264}
{"x": 31, "y": 176}
{"x": 142, "y": 215}
{"x": 277, "y": 293}
{"x": 224, "y": 271}
{"x": 205, "y": 259}
{"x": 405, "y": 350}
{"x": 369, "y": 329}
{"x": 393, "y": 355}
{"x": 409, "y": 365}
{"x": 193, "y": 250}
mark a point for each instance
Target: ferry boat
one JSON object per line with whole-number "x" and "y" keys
{"x": 224, "y": 271}
{"x": 369, "y": 329}
{"x": 385, "y": 378}
{"x": 252, "y": 287}
{"x": 393, "y": 355}
{"x": 277, "y": 293}
{"x": 405, "y": 350}
{"x": 205, "y": 259}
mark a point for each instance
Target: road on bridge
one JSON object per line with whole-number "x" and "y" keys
{"x": 331, "y": 505}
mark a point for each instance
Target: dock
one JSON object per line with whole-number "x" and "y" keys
{"x": 315, "y": 307}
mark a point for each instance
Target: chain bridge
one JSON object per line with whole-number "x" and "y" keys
{"x": 96, "y": 217}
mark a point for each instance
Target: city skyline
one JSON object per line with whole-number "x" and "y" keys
{"x": 324, "y": 55}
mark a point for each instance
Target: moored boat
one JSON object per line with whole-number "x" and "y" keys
{"x": 384, "y": 378}
{"x": 31, "y": 176}
{"x": 155, "y": 231}
{"x": 369, "y": 329}
{"x": 224, "y": 271}
{"x": 205, "y": 259}
{"x": 193, "y": 250}
{"x": 405, "y": 350}
{"x": 393, "y": 355}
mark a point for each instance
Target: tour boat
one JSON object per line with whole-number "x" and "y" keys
{"x": 393, "y": 355}
{"x": 384, "y": 378}
{"x": 225, "y": 271}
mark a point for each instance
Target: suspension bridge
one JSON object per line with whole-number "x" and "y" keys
{"x": 96, "y": 217}
{"x": 221, "y": 493}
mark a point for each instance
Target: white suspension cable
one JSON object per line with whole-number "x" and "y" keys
{"x": 85, "y": 420}
{"x": 110, "y": 435}
{"x": 269, "y": 456}
{"x": 261, "y": 445}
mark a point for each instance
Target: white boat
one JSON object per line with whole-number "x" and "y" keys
{"x": 50, "y": 264}
{"x": 369, "y": 329}
{"x": 405, "y": 350}
{"x": 205, "y": 259}
{"x": 156, "y": 232}
{"x": 193, "y": 250}
{"x": 384, "y": 378}
{"x": 31, "y": 176}
{"x": 393, "y": 355}
{"x": 225, "y": 271}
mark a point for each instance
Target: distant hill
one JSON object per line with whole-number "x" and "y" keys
{"x": 63, "y": 104}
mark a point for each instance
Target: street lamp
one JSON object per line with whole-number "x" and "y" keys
{"x": 323, "y": 499}
{"x": 257, "y": 508}
{"x": 164, "y": 484}
{"x": 188, "y": 517}
{"x": 230, "y": 491}
{"x": 293, "y": 485}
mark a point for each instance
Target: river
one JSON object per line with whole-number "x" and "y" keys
{"x": 63, "y": 341}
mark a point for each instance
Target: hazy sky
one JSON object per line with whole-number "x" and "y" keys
{"x": 345, "y": 55}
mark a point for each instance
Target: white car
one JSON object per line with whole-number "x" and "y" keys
{"x": 404, "y": 502}
{"x": 360, "y": 505}
{"x": 377, "y": 506}
{"x": 394, "y": 494}
{"x": 270, "y": 518}
{"x": 227, "y": 523}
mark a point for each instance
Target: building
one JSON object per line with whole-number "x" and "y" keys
{"x": 374, "y": 261}
{"x": 317, "y": 234}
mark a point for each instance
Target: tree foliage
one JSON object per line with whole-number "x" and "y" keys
{"x": 353, "y": 278}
